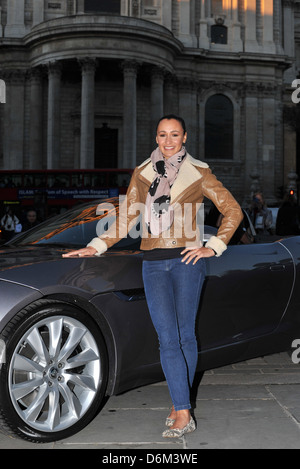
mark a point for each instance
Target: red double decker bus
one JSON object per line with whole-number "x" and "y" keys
{"x": 53, "y": 190}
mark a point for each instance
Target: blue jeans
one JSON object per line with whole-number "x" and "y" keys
{"x": 173, "y": 291}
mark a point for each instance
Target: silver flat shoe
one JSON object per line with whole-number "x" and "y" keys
{"x": 178, "y": 432}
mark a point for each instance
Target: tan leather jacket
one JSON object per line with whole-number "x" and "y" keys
{"x": 194, "y": 182}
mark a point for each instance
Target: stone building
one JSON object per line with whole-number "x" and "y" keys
{"x": 86, "y": 81}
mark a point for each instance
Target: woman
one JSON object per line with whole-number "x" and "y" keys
{"x": 261, "y": 215}
{"x": 173, "y": 266}
{"x": 9, "y": 224}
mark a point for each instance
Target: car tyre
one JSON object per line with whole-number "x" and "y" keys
{"x": 54, "y": 375}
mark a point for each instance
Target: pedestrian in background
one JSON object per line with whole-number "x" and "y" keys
{"x": 288, "y": 217}
{"x": 8, "y": 223}
{"x": 261, "y": 216}
{"x": 31, "y": 220}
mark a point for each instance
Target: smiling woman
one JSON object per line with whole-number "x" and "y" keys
{"x": 170, "y": 136}
{"x": 173, "y": 264}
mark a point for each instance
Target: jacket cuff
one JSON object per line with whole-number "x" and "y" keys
{"x": 217, "y": 245}
{"x": 99, "y": 245}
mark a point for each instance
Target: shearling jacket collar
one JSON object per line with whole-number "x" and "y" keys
{"x": 187, "y": 175}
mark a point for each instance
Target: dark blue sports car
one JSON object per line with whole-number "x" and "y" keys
{"x": 74, "y": 330}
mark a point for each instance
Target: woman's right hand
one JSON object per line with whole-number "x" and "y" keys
{"x": 84, "y": 252}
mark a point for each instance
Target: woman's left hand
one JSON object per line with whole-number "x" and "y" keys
{"x": 196, "y": 254}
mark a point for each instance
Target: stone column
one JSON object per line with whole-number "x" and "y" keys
{"x": 203, "y": 27}
{"x": 175, "y": 17}
{"x": 129, "y": 114}
{"x": 38, "y": 12}
{"x": 76, "y": 136}
{"x": 36, "y": 119}
{"x": 170, "y": 95}
{"x": 185, "y": 20}
{"x": 251, "y": 133}
{"x": 289, "y": 37}
{"x": 277, "y": 26}
{"x": 14, "y": 121}
{"x": 288, "y": 27}
{"x": 259, "y": 22}
{"x": 157, "y": 99}
{"x": 15, "y": 26}
{"x": 268, "y": 98}
{"x": 1, "y": 27}
{"x": 53, "y": 137}
{"x": 188, "y": 110}
{"x": 80, "y": 7}
{"x": 267, "y": 12}
{"x": 279, "y": 148}
{"x": 250, "y": 26}
{"x": 237, "y": 44}
{"x": 87, "y": 142}
{"x": 167, "y": 14}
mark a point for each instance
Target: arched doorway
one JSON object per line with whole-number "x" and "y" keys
{"x": 219, "y": 127}
{"x": 106, "y": 147}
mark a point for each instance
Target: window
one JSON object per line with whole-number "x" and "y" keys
{"x": 218, "y": 34}
{"x": 216, "y": 7}
{"x": 102, "y": 6}
{"x": 219, "y": 127}
{"x": 151, "y": 8}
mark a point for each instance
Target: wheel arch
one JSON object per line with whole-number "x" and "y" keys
{"x": 103, "y": 326}
{"x": 26, "y": 317}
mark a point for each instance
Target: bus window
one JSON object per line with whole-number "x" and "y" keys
{"x": 76, "y": 180}
{"x": 28, "y": 180}
{"x": 113, "y": 179}
{"x": 58, "y": 180}
{"x": 13, "y": 180}
{"x": 39, "y": 180}
{"x": 95, "y": 179}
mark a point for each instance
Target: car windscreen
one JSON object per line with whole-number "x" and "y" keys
{"x": 76, "y": 228}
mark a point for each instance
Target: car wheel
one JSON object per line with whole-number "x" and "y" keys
{"x": 55, "y": 372}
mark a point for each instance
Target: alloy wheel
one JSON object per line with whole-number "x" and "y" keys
{"x": 54, "y": 374}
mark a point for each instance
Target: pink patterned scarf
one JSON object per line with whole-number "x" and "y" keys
{"x": 159, "y": 214}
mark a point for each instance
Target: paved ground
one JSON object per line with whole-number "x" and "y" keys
{"x": 251, "y": 405}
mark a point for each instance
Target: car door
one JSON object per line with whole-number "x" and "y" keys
{"x": 245, "y": 295}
